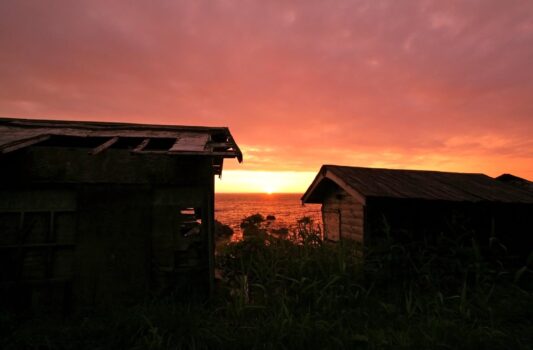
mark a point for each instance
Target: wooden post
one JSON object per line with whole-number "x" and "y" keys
{"x": 210, "y": 227}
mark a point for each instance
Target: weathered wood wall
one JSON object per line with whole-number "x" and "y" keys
{"x": 37, "y": 245}
{"x": 350, "y": 213}
{"x": 407, "y": 220}
{"x": 96, "y": 231}
{"x": 118, "y": 166}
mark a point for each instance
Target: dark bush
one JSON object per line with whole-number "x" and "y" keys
{"x": 222, "y": 230}
{"x": 304, "y": 293}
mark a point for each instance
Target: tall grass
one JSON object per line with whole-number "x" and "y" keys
{"x": 302, "y": 292}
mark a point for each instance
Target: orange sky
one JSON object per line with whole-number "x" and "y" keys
{"x": 445, "y": 85}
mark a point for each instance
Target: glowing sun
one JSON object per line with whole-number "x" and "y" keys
{"x": 269, "y": 190}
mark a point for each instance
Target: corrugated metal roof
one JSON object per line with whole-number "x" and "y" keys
{"x": 415, "y": 184}
{"x": 184, "y": 140}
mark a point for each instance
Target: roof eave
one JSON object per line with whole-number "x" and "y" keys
{"x": 87, "y": 124}
{"x": 238, "y": 152}
{"x": 307, "y": 196}
{"x": 55, "y": 128}
{"x": 328, "y": 173}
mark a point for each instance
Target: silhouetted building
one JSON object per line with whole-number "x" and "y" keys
{"x": 516, "y": 181}
{"x": 96, "y": 214}
{"x": 366, "y": 204}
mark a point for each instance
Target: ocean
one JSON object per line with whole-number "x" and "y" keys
{"x": 231, "y": 208}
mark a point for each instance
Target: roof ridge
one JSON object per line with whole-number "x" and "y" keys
{"x": 404, "y": 170}
{"x": 417, "y": 184}
{"x": 87, "y": 124}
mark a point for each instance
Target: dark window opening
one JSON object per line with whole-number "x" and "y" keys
{"x": 187, "y": 211}
{"x": 9, "y": 228}
{"x": 73, "y": 141}
{"x": 160, "y": 144}
{"x": 36, "y": 245}
{"x": 128, "y": 142}
{"x": 36, "y": 227}
{"x": 220, "y": 137}
{"x": 190, "y": 222}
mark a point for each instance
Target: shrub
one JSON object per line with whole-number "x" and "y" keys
{"x": 253, "y": 225}
{"x": 304, "y": 293}
{"x": 222, "y": 230}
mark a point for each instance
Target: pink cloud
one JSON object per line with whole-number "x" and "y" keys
{"x": 363, "y": 83}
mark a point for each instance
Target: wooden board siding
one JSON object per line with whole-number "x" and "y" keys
{"x": 71, "y": 165}
{"x": 180, "y": 237}
{"x": 106, "y": 244}
{"x": 350, "y": 214}
{"x": 37, "y": 248}
{"x": 408, "y": 220}
{"x": 387, "y": 205}
{"x": 113, "y": 226}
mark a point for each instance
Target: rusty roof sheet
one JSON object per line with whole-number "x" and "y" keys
{"x": 185, "y": 140}
{"x": 415, "y": 184}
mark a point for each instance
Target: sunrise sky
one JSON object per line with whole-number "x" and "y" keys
{"x": 444, "y": 85}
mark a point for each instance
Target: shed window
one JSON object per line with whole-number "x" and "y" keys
{"x": 9, "y": 227}
{"x": 190, "y": 222}
{"x": 36, "y": 245}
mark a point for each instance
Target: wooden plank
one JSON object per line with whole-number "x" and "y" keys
{"x": 104, "y": 146}
{"x": 142, "y": 145}
{"x": 219, "y": 145}
{"x": 25, "y": 143}
{"x": 20, "y": 200}
{"x": 350, "y": 229}
{"x": 349, "y": 215}
{"x": 38, "y": 246}
{"x": 352, "y": 226}
{"x": 356, "y": 237}
{"x": 352, "y": 221}
{"x": 210, "y": 229}
{"x": 235, "y": 147}
{"x": 135, "y": 133}
{"x": 217, "y": 168}
{"x": 357, "y": 212}
{"x": 351, "y": 208}
{"x": 36, "y": 282}
{"x": 190, "y": 142}
{"x": 230, "y": 154}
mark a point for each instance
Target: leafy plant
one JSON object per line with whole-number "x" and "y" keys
{"x": 305, "y": 293}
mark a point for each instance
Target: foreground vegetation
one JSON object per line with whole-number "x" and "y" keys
{"x": 301, "y": 292}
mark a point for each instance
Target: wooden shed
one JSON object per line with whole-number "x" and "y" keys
{"x": 98, "y": 214}
{"x": 365, "y": 204}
